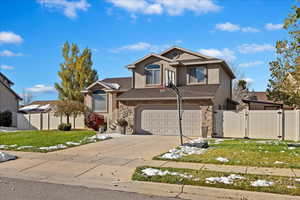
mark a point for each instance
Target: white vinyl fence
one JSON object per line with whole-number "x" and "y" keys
{"x": 46, "y": 121}
{"x": 265, "y": 124}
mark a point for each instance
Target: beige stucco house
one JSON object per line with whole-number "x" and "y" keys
{"x": 9, "y": 100}
{"x": 204, "y": 82}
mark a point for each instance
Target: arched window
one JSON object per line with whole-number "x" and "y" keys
{"x": 152, "y": 74}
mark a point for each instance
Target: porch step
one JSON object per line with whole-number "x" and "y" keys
{"x": 114, "y": 125}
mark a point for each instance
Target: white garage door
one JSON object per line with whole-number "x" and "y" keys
{"x": 163, "y": 120}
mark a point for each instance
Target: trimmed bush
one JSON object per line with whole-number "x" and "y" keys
{"x": 64, "y": 127}
{"x": 6, "y": 118}
{"x": 94, "y": 121}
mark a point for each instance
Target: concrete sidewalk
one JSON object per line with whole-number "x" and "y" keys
{"x": 110, "y": 164}
{"x": 235, "y": 169}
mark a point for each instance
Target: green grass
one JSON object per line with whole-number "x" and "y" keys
{"x": 280, "y": 185}
{"x": 248, "y": 153}
{"x": 42, "y": 138}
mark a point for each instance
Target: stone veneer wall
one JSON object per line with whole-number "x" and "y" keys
{"x": 127, "y": 111}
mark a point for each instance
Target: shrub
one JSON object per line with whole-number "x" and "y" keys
{"x": 94, "y": 121}
{"x": 6, "y": 118}
{"x": 64, "y": 127}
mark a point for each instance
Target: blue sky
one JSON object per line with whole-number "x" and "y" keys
{"x": 121, "y": 31}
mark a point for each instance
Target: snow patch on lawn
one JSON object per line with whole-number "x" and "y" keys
{"x": 72, "y": 143}
{"x": 90, "y": 139}
{"x": 262, "y": 183}
{"x": 6, "y": 157}
{"x": 55, "y": 147}
{"x": 24, "y": 147}
{"x": 185, "y": 150}
{"x": 157, "y": 172}
{"x": 225, "y": 180}
{"x": 278, "y": 162}
{"x": 221, "y": 159}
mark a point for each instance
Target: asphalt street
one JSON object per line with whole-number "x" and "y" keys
{"x": 17, "y": 189}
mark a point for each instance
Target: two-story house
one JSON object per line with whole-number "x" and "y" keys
{"x": 205, "y": 84}
{"x": 9, "y": 100}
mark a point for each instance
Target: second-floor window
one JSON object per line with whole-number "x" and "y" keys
{"x": 169, "y": 77}
{"x": 196, "y": 75}
{"x": 152, "y": 74}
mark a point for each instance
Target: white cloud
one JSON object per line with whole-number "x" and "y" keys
{"x": 248, "y": 80}
{"x": 273, "y": 27}
{"x": 178, "y": 41}
{"x": 249, "y": 30}
{"x": 6, "y": 67}
{"x": 69, "y": 8}
{"x": 10, "y": 38}
{"x": 141, "y": 46}
{"x": 250, "y": 64}
{"x": 8, "y": 53}
{"x": 178, "y": 7}
{"x": 229, "y": 27}
{"x": 254, "y": 48}
{"x": 171, "y": 7}
{"x": 226, "y": 53}
{"x": 40, "y": 88}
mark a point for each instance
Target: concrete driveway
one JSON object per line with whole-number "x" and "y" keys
{"x": 106, "y": 162}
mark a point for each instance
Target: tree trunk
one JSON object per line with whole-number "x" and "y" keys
{"x": 68, "y": 119}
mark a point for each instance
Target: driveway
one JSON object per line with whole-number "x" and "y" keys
{"x": 107, "y": 162}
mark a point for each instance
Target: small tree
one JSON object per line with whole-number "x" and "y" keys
{"x": 240, "y": 91}
{"x": 69, "y": 108}
{"x": 76, "y": 73}
{"x": 284, "y": 84}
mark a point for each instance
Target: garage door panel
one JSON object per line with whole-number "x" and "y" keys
{"x": 163, "y": 120}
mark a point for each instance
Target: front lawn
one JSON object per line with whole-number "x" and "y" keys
{"x": 45, "y": 141}
{"x": 251, "y": 182}
{"x": 261, "y": 153}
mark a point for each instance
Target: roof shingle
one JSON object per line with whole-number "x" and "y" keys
{"x": 124, "y": 82}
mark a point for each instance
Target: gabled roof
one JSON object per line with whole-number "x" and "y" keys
{"x": 117, "y": 84}
{"x": 7, "y": 79}
{"x": 187, "y": 51}
{"x": 131, "y": 66}
{"x": 11, "y": 90}
{"x": 106, "y": 86}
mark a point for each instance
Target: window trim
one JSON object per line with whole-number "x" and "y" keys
{"x": 106, "y": 102}
{"x": 158, "y": 69}
{"x": 205, "y": 75}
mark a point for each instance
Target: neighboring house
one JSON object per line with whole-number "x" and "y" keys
{"x": 204, "y": 82}
{"x": 260, "y": 101}
{"x": 9, "y": 100}
{"x": 37, "y": 106}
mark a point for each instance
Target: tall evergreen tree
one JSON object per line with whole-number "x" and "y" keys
{"x": 76, "y": 73}
{"x": 284, "y": 84}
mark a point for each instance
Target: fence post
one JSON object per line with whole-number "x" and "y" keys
{"x": 246, "y": 123}
{"x": 48, "y": 120}
{"x": 41, "y": 121}
{"x": 280, "y": 124}
{"x": 297, "y": 124}
{"x": 29, "y": 124}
